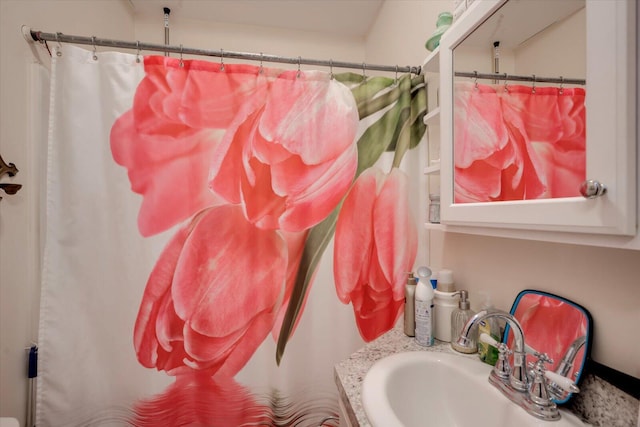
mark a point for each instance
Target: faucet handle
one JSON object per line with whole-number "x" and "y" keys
{"x": 563, "y": 382}
{"x": 501, "y": 369}
{"x": 542, "y": 359}
{"x": 538, "y": 401}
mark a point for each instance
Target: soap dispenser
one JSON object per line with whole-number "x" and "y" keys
{"x": 459, "y": 317}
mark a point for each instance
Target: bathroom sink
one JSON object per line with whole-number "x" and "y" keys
{"x": 425, "y": 388}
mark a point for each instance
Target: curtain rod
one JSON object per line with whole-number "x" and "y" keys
{"x": 513, "y": 77}
{"x": 30, "y": 35}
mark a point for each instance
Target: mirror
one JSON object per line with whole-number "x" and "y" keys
{"x": 558, "y": 327}
{"x": 519, "y": 119}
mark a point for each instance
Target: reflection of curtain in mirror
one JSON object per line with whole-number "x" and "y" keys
{"x": 518, "y": 143}
{"x": 190, "y": 215}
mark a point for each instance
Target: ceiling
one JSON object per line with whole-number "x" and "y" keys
{"x": 353, "y": 18}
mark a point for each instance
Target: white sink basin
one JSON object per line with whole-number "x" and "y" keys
{"x": 423, "y": 388}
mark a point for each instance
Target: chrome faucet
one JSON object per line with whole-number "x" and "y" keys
{"x": 531, "y": 391}
{"x": 517, "y": 374}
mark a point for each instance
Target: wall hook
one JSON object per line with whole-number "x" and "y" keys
{"x": 7, "y": 169}
{"x": 11, "y": 170}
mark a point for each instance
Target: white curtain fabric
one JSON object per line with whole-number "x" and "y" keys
{"x": 97, "y": 263}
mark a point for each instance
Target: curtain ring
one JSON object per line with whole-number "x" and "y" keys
{"x": 506, "y": 86}
{"x": 364, "y": 69}
{"x": 138, "y": 51}
{"x": 561, "y": 91}
{"x": 396, "y": 82}
{"x": 533, "y": 86}
{"x": 261, "y": 70}
{"x": 221, "y": 59}
{"x": 475, "y": 80}
{"x": 59, "y": 50}
{"x": 331, "y": 69}
{"x": 299, "y": 62}
{"x": 181, "y": 62}
{"x": 93, "y": 41}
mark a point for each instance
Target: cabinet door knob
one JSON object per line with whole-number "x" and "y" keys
{"x": 591, "y": 189}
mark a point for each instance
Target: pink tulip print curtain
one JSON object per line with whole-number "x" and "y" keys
{"x": 517, "y": 142}
{"x": 218, "y": 237}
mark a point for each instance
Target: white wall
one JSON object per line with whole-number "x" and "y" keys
{"x": 246, "y": 38}
{"x": 605, "y": 281}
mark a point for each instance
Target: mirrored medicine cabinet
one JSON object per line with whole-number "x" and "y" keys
{"x": 500, "y": 63}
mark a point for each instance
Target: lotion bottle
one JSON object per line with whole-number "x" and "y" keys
{"x": 444, "y": 302}
{"x": 424, "y": 308}
{"x": 409, "y": 306}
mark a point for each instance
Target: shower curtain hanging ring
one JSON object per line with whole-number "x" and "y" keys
{"x": 261, "y": 70}
{"x": 506, "y": 86}
{"x": 299, "y": 62}
{"x": 59, "y": 50}
{"x": 396, "y": 81}
{"x": 331, "y": 69}
{"x": 364, "y": 69}
{"x": 533, "y": 87}
{"x": 475, "y": 80}
{"x": 561, "y": 91}
{"x": 181, "y": 62}
{"x": 221, "y": 59}
{"x": 138, "y": 51}
{"x": 93, "y": 42}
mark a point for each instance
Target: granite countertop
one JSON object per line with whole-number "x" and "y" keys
{"x": 598, "y": 403}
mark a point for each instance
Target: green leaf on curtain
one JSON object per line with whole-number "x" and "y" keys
{"x": 404, "y": 122}
{"x": 317, "y": 241}
{"x": 349, "y": 78}
{"x": 379, "y": 137}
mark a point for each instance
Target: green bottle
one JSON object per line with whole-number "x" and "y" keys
{"x": 490, "y": 326}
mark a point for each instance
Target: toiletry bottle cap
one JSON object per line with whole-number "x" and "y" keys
{"x": 464, "y": 301}
{"x": 445, "y": 281}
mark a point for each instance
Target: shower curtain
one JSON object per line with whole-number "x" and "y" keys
{"x": 518, "y": 142}
{"x": 218, "y": 236}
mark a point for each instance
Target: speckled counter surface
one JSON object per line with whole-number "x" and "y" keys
{"x": 599, "y": 403}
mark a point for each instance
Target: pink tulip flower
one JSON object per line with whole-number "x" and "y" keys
{"x": 375, "y": 245}
{"x": 167, "y": 141}
{"x": 290, "y": 158}
{"x": 213, "y": 296}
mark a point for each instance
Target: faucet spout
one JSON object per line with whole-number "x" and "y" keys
{"x": 464, "y": 343}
